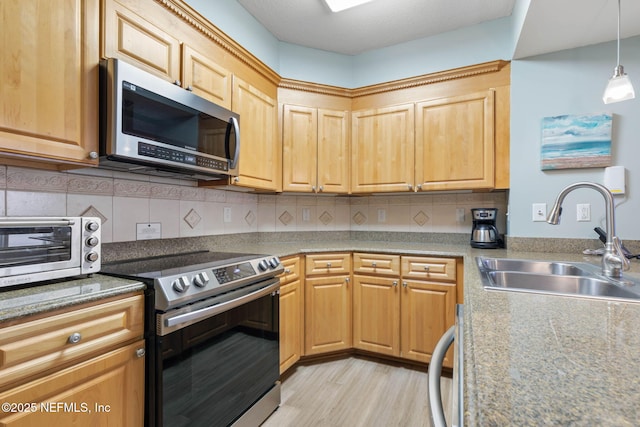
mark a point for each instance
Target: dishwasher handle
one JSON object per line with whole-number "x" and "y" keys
{"x": 435, "y": 370}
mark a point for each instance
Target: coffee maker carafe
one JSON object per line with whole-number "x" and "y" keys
{"x": 484, "y": 234}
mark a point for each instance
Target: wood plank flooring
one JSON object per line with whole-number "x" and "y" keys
{"x": 355, "y": 392}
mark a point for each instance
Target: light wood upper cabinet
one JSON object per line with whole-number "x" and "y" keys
{"x": 455, "y": 143}
{"x": 382, "y": 157}
{"x": 205, "y": 78}
{"x": 315, "y": 150}
{"x": 49, "y": 89}
{"x": 128, "y": 36}
{"x": 260, "y": 150}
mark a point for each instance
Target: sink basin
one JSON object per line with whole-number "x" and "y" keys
{"x": 537, "y": 267}
{"x": 552, "y": 277}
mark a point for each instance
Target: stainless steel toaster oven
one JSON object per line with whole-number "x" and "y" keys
{"x": 34, "y": 249}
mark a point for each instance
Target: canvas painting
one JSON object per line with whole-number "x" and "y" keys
{"x": 576, "y": 141}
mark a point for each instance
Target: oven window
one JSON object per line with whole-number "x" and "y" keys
{"x": 214, "y": 370}
{"x": 34, "y": 245}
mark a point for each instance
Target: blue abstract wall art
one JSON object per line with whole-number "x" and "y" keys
{"x": 576, "y": 141}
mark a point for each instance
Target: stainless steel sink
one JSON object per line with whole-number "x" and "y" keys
{"x": 550, "y": 277}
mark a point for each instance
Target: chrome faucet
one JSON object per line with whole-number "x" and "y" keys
{"x": 613, "y": 259}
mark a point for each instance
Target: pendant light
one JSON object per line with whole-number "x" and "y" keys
{"x": 619, "y": 87}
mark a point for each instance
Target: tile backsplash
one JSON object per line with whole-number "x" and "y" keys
{"x": 183, "y": 209}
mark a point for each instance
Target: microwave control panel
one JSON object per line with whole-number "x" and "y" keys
{"x": 149, "y": 150}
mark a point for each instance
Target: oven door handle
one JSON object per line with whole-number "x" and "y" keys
{"x": 36, "y": 222}
{"x": 207, "y": 312}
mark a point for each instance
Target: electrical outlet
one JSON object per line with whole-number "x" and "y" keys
{"x": 382, "y": 215}
{"x": 306, "y": 215}
{"x": 539, "y": 212}
{"x": 460, "y": 215}
{"x": 583, "y": 212}
{"x": 226, "y": 214}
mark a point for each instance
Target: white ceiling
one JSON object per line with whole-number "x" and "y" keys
{"x": 549, "y": 26}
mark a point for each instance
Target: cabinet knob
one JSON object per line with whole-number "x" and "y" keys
{"x": 404, "y": 284}
{"x": 328, "y": 265}
{"x": 287, "y": 271}
{"x": 347, "y": 279}
{"x": 321, "y": 188}
{"x": 236, "y": 179}
{"x": 409, "y": 186}
{"x": 419, "y": 188}
{"x": 373, "y": 264}
{"x": 395, "y": 283}
{"x": 426, "y": 268}
{"x": 177, "y": 82}
{"x": 190, "y": 88}
{"x": 313, "y": 188}
{"x": 75, "y": 338}
{"x": 140, "y": 352}
{"x": 93, "y": 155}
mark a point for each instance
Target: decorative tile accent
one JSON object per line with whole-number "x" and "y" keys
{"x": 250, "y": 218}
{"x": 92, "y": 211}
{"x": 325, "y": 218}
{"x": 421, "y": 218}
{"x": 286, "y": 218}
{"x": 36, "y": 180}
{"x": 79, "y": 184}
{"x": 212, "y": 195}
{"x": 192, "y": 218}
{"x": 359, "y": 218}
{"x": 192, "y": 193}
{"x": 127, "y": 188}
{"x": 163, "y": 191}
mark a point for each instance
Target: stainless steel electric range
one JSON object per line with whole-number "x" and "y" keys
{"x": 212, "y": 337}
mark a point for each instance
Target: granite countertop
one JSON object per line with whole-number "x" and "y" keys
{"x": 27, "y": 301}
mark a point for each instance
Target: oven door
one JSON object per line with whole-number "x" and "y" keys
{"x": 211, "y": 371}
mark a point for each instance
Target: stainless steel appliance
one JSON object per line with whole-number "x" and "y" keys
{"x": 212, "y": 337}
{"x": 34, "y": 249}
{"x": 484, "y": 234}
{"x": 148, "y": 125}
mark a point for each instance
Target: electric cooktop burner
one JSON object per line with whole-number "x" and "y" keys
{"x": 184, "y": 278}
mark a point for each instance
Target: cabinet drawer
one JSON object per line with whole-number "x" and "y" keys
{"x": 36, "y": 346}
{"x": 292, "y": 270}
{"x": 376, "y": 264}
{"x": 333, "y": 263}
{"x": 427, "y": 268}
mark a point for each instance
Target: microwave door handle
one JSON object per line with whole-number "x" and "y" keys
{"x": 236, "y": 127}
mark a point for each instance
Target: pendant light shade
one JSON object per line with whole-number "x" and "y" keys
{"x": 619, "y": 87}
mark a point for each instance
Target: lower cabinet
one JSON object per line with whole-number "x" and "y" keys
{"x": 75, "y": 367}
{"x": 328, "y": 300}
{"x": 291, "y": 313}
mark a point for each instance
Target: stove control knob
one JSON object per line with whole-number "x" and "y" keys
{"x": 92, "y": 226}
{"x": 201, "y": 280}
{"x": 92, "y": 256}
{"x": 262, "y": 265}
{"x": 274, "y": 262}
{"x": 181, "y": 284}
{"x": 92, "y": 241}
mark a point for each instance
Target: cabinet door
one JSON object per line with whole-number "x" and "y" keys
{"x": 327, "y": 314}
{"x": 382, "y": 149}
{"x": 49, "y": 89}
{"x": 376, "y": 314}
{"x": 299, "y": 148}
{"x": 291, "y": 324}
{"x": 427, "y": 311}
{"x": 128, "y": 36}
{"x": 333, "y": 151}
{"x": 205, "y": 78}
{"x": 260, "y": 150}
{"x": 107, "y": 390}
{"x": 455, "y": 142}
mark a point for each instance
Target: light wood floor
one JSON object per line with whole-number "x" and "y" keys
{"x": 355, "y": 392}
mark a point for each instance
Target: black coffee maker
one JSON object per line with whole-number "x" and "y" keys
{"x": 484, "y": 234}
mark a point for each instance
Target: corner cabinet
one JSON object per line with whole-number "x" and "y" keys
{"x": 260, "y": 150}
{"x": 315, "y": 150}
{"x": 455, "y": 143}
{"x": 75, "y": 368}
{"x": 382, "y": 149}
{"x": 49, "y": 90}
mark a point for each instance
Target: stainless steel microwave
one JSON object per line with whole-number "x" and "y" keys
{"x": 34, "y": 249}
{"x": 149, "y": 125}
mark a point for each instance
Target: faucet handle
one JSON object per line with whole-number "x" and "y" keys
{"x": 617, "y": 244}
